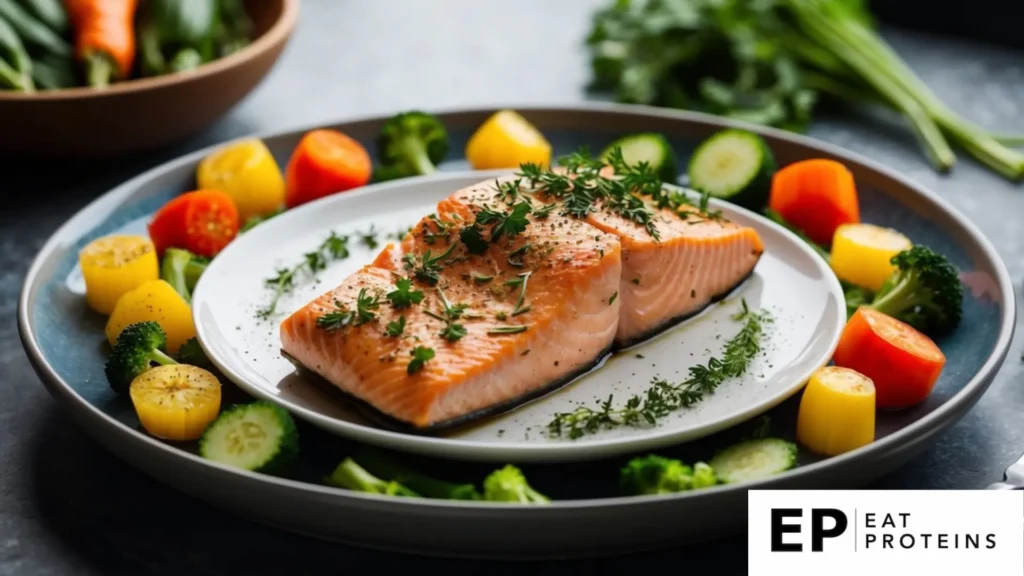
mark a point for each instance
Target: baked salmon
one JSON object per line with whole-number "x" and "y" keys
{"x": 495, "y": 323}
{"x": 481, "y": 308}
{"x": 697, "y": 259}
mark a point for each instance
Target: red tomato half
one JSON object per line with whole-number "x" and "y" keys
{"x": 902, "y": 362}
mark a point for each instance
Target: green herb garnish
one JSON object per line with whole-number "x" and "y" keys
{"x": 664, "y": 397}
{"x": 365, "y": 304}
{"x": 420, "y": 356}
{"x": 452, "y": 330}
{"x": 429, "y": 265}
{"x": 509, "y": 224}
{"x": 515, "y": 258}
{"x": 582, "y": 187}
{"x": 334, "y": 247}
{"x": 369, "y": 239}
{"x": 497, "y": 330}
{"x": 521, "y": 280}
{"x": 403, "y": 295}
{"x": 396, "y": 328}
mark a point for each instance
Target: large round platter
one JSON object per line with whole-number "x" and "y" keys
{"x": 790, "y": 281}
{"x": 64, "y": 343}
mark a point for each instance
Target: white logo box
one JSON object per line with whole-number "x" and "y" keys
{"x": 886, "y": 532}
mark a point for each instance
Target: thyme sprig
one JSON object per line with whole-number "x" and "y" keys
{"x": 334, "y": 247}
{"x": 664, "y": 397}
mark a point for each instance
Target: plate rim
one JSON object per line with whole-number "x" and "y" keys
{"x": 491, "y": 451}
{"x": 83, "y": 411}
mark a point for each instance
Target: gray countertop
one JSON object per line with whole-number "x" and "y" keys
{"x": 69, "y": 507}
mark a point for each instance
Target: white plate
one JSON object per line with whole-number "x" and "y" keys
{"x": 790, "y": 281}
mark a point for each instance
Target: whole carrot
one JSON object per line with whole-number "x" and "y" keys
{"x": 104, "y": 37}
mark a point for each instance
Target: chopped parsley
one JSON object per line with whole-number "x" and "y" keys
{"x": 396, "y": 328}
{"x": 612, "y": 299}
{"x": 403, "y": 295}
{"x": 473, "y": 237}
{"x": 369, "y": 239}
{"x": 420, "y": 356}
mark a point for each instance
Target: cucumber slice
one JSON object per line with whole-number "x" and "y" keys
{"x": 754, "y": 460}
{"x": 648, "y": 147}
{"x": 259, "y": 436}
{"x": 734, "y": 165}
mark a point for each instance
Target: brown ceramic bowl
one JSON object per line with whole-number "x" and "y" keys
{"x": 143, "y": 114}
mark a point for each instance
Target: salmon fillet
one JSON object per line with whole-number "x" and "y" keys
{"x": 571, "y": 270}
{"x": 591, "y": 284}
{"x": 697, "y": 259}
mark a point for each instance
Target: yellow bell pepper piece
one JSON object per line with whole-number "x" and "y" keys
{"x": 861, "y": 253}
{"x": 116, "y": 264}
{"x": 507, "y": 140}
{"x": 246, "y": 171}
{"x": 156, "y": 301}
{"x": 176, "y": 401}
{"x": 837, "y": 412}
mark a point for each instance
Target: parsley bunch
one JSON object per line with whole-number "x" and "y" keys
{"x": 770, "y": 62}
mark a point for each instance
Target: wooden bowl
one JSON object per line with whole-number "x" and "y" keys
{"x": 147, "y": 113}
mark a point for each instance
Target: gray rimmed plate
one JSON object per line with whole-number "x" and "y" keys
{"x": 64, "y": 343}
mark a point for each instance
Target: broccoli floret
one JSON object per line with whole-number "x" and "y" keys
{"x": 925, "y": 292}
{"x": 422, "y": 484}
{"x": 412, "y": 143}
{"x": 654, "y": 474}
{"x": 191, "y": 353}
{"x": 703, "y": 475}
{"x": 182, "y": 269}
{"x": 352, "y": 476}
{"x": 508, "y": 484}
{"x": 138, "y": 347}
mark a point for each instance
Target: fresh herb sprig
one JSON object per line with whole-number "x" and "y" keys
{"x": 334, "y": 247}
{"x": 429, "y": 267}
{"x": 502, "y": 224}
{"x": 342, "y": 317}
{"x": 664, "y": 397}
{"x": 450, "y": 313}
{"x": 582, "y": 187}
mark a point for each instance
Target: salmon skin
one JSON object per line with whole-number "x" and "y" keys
{"x": 497, "y": 299}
